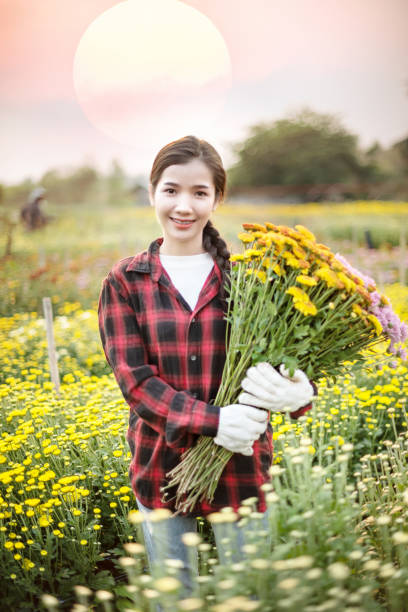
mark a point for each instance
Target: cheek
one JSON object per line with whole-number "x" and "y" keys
{"x": 205, "y": 210}
{"x": 162, "y": 209}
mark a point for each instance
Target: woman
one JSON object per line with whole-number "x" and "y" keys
{"x": 161, "y": 319}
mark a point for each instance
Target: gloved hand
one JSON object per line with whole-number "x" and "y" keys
{"x": 239, "y": 426}
{"x": 266, "y": 388}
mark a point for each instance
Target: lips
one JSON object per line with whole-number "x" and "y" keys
{"x": 182, "y": 222}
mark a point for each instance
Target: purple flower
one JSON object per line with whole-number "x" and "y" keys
{"x": 402, "y": 354}
{"x": 393, "y": 328}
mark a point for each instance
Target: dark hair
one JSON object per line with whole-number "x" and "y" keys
{"x": 182, "y": 151}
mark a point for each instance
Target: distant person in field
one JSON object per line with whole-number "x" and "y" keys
{"x": 31, "y": 214}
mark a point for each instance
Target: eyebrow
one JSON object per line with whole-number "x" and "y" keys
{"x": 194, "y": 186}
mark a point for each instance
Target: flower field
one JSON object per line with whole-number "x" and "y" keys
{"x": 339, "y": 504}
{"x": 67, "y": 259}
{"x": 70, "y": 536}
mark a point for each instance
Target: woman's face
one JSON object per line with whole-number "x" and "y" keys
{"x": 184, "y": 200}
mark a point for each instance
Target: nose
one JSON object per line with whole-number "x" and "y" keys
{"x": 183, "y": 204}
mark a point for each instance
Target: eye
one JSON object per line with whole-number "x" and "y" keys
{"x": 169, "y": 189}
{"x": 202, "y": 193}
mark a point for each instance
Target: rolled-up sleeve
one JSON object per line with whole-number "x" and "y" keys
{"x": 171, "y": 413}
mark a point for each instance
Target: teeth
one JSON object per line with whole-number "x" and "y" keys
{"x": 183, "y": 222}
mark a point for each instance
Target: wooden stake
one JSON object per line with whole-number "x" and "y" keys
{"x": 52, "y": 354}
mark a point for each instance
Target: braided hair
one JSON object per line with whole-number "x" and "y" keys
{"x": 217, "y": 248}
{"x": 182, "y": 151}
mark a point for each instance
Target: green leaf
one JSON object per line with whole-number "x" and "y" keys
{"x": 291, "y": 364}
{"x": 102, "y": 580}
{"x": 271, "y": 309}
{"x": 301, "y": 332}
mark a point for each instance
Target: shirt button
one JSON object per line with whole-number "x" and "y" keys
{"x": 193, "y": 357}
{"x": 193, "y": 320}
{"x": 195, "y": 395}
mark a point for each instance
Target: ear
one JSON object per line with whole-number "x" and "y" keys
{"x": 151, "y": 194}
{"x": 216, "y": 202}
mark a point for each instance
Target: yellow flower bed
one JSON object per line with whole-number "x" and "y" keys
{"x": 64, "y": 489}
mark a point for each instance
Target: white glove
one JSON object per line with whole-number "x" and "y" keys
{"x": 266, "y": 388}
{"x": 239, "y": 426}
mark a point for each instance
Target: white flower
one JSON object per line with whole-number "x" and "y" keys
{"x": 134, "y": 548}
{"x": 338, "y": 571}
{"x": 383, "y": 520}
{"x": 400, "y": 537}
{"x": 49, "y": 601}
{"x": 191, "y": 539}
{"x": 288, "y": 584}
{"x": 167, "y": 584}
{"x": 104, "y": 595}
{"x": 191, "y": 604}
{"x": 127, "y": 562}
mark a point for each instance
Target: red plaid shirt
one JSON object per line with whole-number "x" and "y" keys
{"x": 168, "y": 362}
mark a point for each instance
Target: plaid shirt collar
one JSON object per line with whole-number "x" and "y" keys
{"x": 149, "y": 263}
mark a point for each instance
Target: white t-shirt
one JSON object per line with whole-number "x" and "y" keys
{"x": 188, "y": 273}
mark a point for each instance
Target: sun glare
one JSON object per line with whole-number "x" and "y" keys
{"x": 151, "y": 64}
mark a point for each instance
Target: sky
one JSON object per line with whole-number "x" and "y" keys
{"x": 86, "y": 81}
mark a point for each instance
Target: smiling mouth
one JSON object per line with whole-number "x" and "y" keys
{"x": 182, "y": 221}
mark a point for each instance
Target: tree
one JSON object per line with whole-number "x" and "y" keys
{"x": 401, "y": 149}
{"x": 116, "y": 183}
{"x": 78, "y": 186}
{"x": 306, "y": 148}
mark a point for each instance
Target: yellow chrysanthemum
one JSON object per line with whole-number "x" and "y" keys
{"x": 305, "y": 265}
{"x": 347, "y": 282}
{"x": 330, "y": 277}
{"x": 258, "y": 273}
{"x": 250, "y": 253}
{"x": 237, "y": 258}
{"x": 376, "y": 323}
{"x": 356, "y": 308}
{"x": 32, "y": 502}
{"x": 290, "y": 241}
{"x": 305, "y": 232}
{"x": 306, "y": 308}
{"x": 299, "y": 252}
{"x": 336, "y": 265}
{"x": 272, "y": 238}
{"x": 27, "y": 564}
{"x": 254, "y": 226}
{"x": 265, "y": 241}
{"x": 306, "y": 280}
{"x": 301, "y": 301}
{"x": 324, "y": 249}
{"x": 298, "y": 294}
{"x": 271, "y": 226}
{"x": 245, "y": 237}
{"x": 291, "y": 260}
{"x": 277, "y": 269}
{"x": 364, "y": 293}
{"x": 44, "y": 521}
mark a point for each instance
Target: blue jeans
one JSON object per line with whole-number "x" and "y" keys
{"x": 163, "y": 541}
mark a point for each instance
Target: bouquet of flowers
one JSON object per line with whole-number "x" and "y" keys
{"x": 291, "y": 301}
